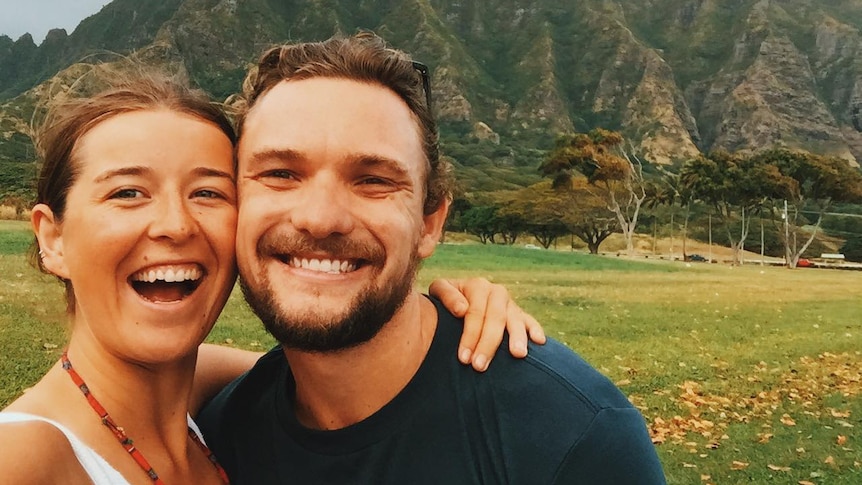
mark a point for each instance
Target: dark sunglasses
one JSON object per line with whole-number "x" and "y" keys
{"x": 426, "y": 81}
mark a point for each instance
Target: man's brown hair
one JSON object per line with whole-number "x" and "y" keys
{"x": 364, "y": 57}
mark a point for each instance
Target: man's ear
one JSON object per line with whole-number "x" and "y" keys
{"x": 432, "y": 229}
{"x": 50, "y": 236}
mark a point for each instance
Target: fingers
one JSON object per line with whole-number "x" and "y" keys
{"x": 493, "y": 323}
{"x": 489, "y": 313}
{"x": 476, "y": 292}
{"x": 534, "y": 329}
{"x": 517, "y": 328}
{"x": 449, "y": 293}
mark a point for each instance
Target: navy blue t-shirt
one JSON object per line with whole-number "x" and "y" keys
{"x": 550, "y": 418}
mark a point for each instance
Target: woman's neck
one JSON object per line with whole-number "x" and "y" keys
{"x": 151, "y": 396}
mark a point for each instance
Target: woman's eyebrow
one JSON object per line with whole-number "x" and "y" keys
{"x": 118, "y": 172}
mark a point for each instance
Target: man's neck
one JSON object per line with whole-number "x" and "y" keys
{"x": 337, "y": 389}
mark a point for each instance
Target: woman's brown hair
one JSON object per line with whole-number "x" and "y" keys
{"x": 73, "y": 112}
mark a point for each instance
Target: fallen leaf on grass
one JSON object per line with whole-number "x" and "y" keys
{"x": 777, "y": 468}
{"x": 829, "y": 460}
{"x": 841, "y": 440}
{"x": 805, "y": 482}
{"x": 49, "y": 346}
{"x": 764, "y": 437}
{"x": 704, "y": 478}
{"x": 738, "y": 465}
{"x": 688, "y": 465}
{"x": 787, "y": 420}
{"x": 623, "y": 382}
{"x": 839, "y": 414}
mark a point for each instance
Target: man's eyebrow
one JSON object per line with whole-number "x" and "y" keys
{"x": 134, "y": 170}
{"x": 276, "y": 154}
{"x": 368, "y": 161}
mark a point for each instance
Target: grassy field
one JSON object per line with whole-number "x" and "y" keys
{"x": 745, "y": 375}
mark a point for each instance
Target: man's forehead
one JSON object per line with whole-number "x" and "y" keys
{"x": 334, "y": 111}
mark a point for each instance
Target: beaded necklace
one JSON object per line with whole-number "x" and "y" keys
{"x": 124, "y": 440}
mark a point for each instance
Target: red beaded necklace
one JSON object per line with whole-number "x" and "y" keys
{"x": 124, "y": 440}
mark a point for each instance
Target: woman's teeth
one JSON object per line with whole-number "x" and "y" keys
{"x": 168, "y": 275}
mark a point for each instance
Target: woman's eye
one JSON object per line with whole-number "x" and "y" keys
{"x": 208, "y": 194}
{"x": 127, "y": 194}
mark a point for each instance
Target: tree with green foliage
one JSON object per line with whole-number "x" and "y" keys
{"x": 20, "y": 200}
{"x": 736, "y": 187}
{"x": 538, "y": 209}
{"x": 852, "y": 249}
{"x": 481, "y": 221}
{"x": 550, "y": 213}
{"x": 813, "y": 182}
{"x": 615, "y": 173}
{"x": 589, "y": 218}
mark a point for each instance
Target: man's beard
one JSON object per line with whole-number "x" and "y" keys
{"x": 309, "y": 331}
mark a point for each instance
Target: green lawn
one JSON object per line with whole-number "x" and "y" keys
{"x": 745, "y": 375}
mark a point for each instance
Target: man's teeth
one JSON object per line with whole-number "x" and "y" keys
{"x": 333, "y": 266}
{"x": 169, "y": 275}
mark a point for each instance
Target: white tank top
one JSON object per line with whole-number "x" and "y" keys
{"x": 100, "y": 472}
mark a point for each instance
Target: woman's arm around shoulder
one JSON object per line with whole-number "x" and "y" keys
{"x": 217, "y": 366}
{"x": 36, "y": 452}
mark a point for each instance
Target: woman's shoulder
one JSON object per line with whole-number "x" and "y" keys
{"x": 36, "y": 450}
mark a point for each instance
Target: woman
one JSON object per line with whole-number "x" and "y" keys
{"x": 136, "y": 215}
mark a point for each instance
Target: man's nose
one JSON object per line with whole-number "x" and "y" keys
{"x": 323, "y": 209}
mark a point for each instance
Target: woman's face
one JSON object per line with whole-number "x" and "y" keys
{"x": 148, "y": 234}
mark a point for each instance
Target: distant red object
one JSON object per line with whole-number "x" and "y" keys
{"x": 804, "y": 263}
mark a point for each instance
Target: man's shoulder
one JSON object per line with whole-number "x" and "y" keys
{"x": 551, "y": 372}
{"x": 247, "y": 389}
{"x": 571, "y": 373}
{"x": 554, "y": 409}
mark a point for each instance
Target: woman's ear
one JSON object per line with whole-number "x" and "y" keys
{"x": 50, "y": 236}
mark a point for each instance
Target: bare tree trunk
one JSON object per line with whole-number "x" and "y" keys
{"x": 794, "y": 260}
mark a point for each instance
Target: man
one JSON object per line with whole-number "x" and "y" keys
{"x": 342, "y": 194}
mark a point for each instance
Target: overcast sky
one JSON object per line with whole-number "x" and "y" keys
{"x": 39, "y": 16}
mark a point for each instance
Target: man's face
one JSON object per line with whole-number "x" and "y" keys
{"x": 331, "y": 231}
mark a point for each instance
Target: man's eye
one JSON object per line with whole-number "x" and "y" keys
{"x": 127, "y": 194}
{"x": 279, "y": 174}
{"x": 374, "y": 181}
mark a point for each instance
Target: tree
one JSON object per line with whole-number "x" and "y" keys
{"x": 20, "y": 200}
{"x": 539, "y": 210}
{"x": 673, "y": 190}
{"x": 852, "y": 249}
{"x": 481, "y": 221}
{"x": 815, "y": 182}
{"x": 736, "y": 187}
{"x": 616, "y": 174}
{"x": 590, "y": 220}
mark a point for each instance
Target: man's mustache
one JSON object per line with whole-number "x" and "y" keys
{"x": 281, "y": 243}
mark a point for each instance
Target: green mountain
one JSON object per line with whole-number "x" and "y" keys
{"x": 676, "y": 76}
